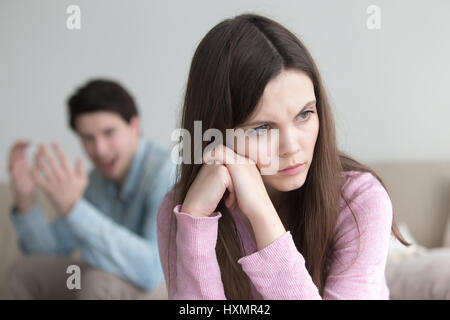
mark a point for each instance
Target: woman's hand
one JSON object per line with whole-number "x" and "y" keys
{"x": 250, "y": 194}
{"x": 207, "y": 190}
{"x": 241, "y": 177}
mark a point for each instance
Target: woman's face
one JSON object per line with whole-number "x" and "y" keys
{"x": 288, "y": 104}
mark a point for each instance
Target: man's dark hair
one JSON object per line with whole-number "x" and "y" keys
{"x": 101, "y": 95}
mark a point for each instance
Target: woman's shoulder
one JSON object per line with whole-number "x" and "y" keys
{"x": 357, "y": 183}
{"x": 166, "y": 207}
{"x": 364, "y": 223}
{"x": 364, "y": 196}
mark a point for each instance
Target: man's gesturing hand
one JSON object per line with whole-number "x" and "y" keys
{"x": 22, "y": 183}
{"x": 63, "y": 184}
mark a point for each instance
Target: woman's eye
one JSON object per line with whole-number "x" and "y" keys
{"x": 305, "y": 115}
{"x": 258, "y": 130}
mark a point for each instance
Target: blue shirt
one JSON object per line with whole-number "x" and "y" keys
{"x": 114, "y": 229}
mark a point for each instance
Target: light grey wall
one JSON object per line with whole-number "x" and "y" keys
{"x": 388, "y": 87}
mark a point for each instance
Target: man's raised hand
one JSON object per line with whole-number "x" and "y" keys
{"x": 63, "y": 184}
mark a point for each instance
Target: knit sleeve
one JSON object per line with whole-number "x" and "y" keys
{"x": 356, "y": 267}
{"x": 188, "y": 255}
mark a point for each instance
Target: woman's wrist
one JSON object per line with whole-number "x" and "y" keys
{"x": 267, "y": 227}
{"x": 191, "y": 210}
{"x": 264, "y": 210}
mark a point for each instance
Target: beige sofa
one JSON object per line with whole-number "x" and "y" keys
{"x": 419, "y": 192}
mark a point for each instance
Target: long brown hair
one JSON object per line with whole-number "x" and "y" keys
{"x": 230, "y": 69}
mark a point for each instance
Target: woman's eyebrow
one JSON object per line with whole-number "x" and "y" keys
{"x": 308, "y": 104}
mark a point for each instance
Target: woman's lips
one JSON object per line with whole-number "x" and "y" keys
{"x": 292, "y": 170}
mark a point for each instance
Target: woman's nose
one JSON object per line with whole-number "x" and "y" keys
{"x": 289, "y": 142}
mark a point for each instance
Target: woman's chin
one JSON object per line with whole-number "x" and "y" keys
{"x": 286, "y": 184}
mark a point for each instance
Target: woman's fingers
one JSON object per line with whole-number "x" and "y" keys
{"x": 237, "y": 168}
{"x": 221, "y": 154}
{"x": 230, "y": 200}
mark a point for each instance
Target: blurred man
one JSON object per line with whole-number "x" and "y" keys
{"x": 110, "y": 215}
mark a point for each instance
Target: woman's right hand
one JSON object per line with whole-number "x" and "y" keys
{"x": 207, "y": 190}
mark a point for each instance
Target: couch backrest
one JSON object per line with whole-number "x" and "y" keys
{"x": 420, "y": 195}
{"x": 419, "y": 192}
{"x": 9, "y": 250}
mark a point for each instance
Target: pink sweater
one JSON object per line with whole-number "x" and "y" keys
{"x": 278, "y": 271}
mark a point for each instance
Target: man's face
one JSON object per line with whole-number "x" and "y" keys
{"x": 109, "y": 141}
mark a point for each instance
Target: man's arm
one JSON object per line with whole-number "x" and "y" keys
{"x": 117, "y": 249}
{"x": 36, "y": 235}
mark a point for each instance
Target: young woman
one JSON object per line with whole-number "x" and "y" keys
{"x": 318, "y": 228}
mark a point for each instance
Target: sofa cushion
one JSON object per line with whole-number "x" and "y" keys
{"x": 425, "y": 277}
{"x": 446, "y": 241}
{"x": 416, "y": 272}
